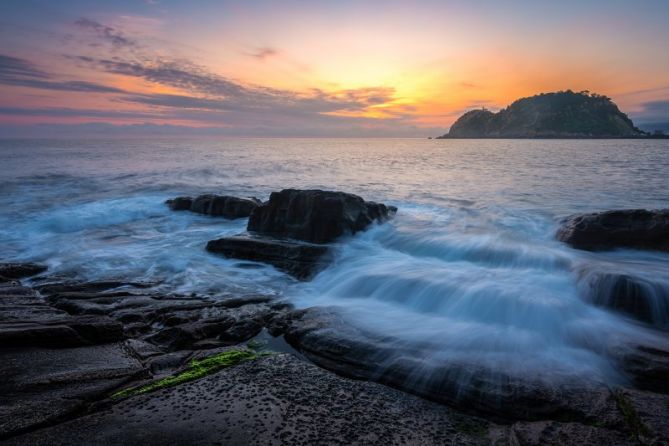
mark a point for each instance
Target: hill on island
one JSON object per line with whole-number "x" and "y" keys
{"x": 564, "y": 114}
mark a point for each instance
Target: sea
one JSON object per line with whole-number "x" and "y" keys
{"x": 469, "y": 266}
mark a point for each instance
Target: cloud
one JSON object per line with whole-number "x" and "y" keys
{"x": 60, "y": 112}
{"x": 659, "y": 109}
{"x": 106, "y": 33}
{"x": 203, "y": 97}
{"x": 651, "y": 114}
{"x": 22, "y": 73}
{"x": 221, "y": 93}
{"x": 175, "y": 73}
{"x": 13, "y": 67}
{"x": 264, "y": 53}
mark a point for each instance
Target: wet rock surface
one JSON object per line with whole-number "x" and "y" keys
{"x": 316, "y": 216}
{"x": 301, "y": 260}
{"x": 638, "y": 228}
{"x": 281, "y": 400}
{"x": 14, "y": 270}
{"x": 325, "y": 338}
{"x": 60, "y": 394}
{"x": 41, "y": 385}
{"x": 643, "y": 295}
{"x": 274, "y": 400}
{"x": 286, "y": 231}
{"x": 215, "y": 205}
{"x": 27, "y": 321}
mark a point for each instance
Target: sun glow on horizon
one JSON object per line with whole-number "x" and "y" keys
{"x": 331, "y": 68}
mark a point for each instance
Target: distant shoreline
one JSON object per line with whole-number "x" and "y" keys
{"x": 553, "y": 137}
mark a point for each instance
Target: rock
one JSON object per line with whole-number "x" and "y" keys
{"x": 276, "y": 399}
{"x": 92, "y": 286}
{"x": 11, "y": 271}
{"x": 215, "y": 205}
{"x": 646, "y": 415}
{"x": 185, "y": 336}
{"x": 540, "y": 433}
{"x": 638, "y": 228}
{"x": 315, "y": 216}
{"x": 27, "y": 321}
{"x": 180, "y": 203}
{"x": 172, "y": 322}
{"x": 325, "y": 337}
{"x": 641, "y": 292}
{"x": 301, "y": 260}
{"x": 45, "y": 385}
{"x": 646, "y": 366}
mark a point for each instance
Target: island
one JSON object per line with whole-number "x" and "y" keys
{"x": 562, "y": 114}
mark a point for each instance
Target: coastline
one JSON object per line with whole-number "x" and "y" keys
{"x": 126, "y": 360}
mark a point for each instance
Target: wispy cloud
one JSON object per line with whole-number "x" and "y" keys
{"x": 13, "y": 67}
{"x": 264, "y": 53}
{"x": 111, "y": 35}
{"x": 22, "y": 73}
{"x": 201, "y": 96}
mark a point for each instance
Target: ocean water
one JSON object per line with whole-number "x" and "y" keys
{"x": 469, "y": 266}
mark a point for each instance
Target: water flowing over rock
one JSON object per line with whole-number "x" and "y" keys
{"x": 641, "y": 292}
{"x": 637, "y": 228}
{"x": 316, "y": 216}
{"x": 323, "y": 335}
{"x": 301, "y": 260}
{"x": 215, "y": 205}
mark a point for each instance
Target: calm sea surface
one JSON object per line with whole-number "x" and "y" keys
{"x": 469, "y": 265}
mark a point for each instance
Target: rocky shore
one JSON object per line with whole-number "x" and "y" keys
{"x": 120, "y": 361}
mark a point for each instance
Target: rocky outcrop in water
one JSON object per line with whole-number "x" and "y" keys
{"x": 301, "y": 260}
{"x": 316, "y": 216}
{"x": 215, "y": 205}
{"x": 289, "y": 231}
{"x": 637, "y": 228}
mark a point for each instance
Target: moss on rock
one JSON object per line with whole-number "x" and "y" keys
{"x": 197, "y": 369}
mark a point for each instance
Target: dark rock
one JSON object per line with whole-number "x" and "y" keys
{"x": 642, "y": 294}
{"x": 224, "y": 206}
{"x": 26, "y": 320}
{"x": 184, "y": 336}
{"x": 180, "y": 203}
{"x": 301, "y": 260}
{"x": 638, "y": 228}
{"x": 172, "y": 322}
{"x": 143, "y": 350}
{"x": 646, "y": 414}
{"x": 45, "y": 385}
{"x": 647, "y": 366}
{"x": 315, "y": 216}
{"x": 540, "y": 433}
{"x": 324, "y": 337}
{"x": 11, "y": 271}
{"x": 92, "y": 286}
{"x": 215, "y": 205}
{"x": 277, "y": 399}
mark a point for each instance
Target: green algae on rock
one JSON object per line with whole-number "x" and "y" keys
{"x": 197, "y": 369}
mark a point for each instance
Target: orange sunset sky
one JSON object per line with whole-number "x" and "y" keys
{"x": 285, "y": 68}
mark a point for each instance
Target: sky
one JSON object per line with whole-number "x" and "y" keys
{"x": 311, "y": 68}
